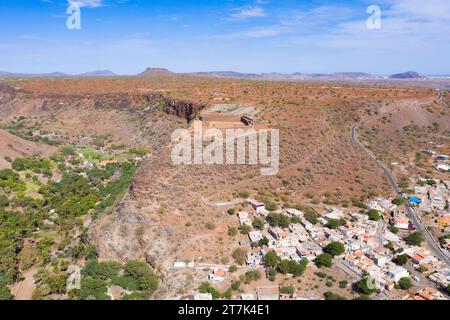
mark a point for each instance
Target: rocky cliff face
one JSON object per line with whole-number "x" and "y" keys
{"x": 180, "y": 108}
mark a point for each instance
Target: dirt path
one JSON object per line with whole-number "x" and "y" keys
{"x": 24, "y": 290}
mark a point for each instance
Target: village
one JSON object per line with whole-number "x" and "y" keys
{"x": 379, "y": 246}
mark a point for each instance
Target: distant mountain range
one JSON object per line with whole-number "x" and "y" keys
{"x": 407, "y": 75}
{"x": 293, "y": 76}
{"x": 97, "y": 73}
{"x": 274, "y": 76}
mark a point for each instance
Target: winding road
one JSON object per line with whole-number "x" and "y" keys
{"x": 432, "y": 244}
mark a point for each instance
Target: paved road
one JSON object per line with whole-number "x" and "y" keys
{"x": 435, "y": 247}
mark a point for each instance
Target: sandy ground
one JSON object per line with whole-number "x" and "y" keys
{"x": 24, "y": 290}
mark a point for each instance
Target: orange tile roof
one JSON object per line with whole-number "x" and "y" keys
{"x": 445, "y": 220}
{"x": 220, "y": 272}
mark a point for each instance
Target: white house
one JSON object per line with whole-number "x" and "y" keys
{"x": 396, "y": 272}
{"x": 218, "y": 275}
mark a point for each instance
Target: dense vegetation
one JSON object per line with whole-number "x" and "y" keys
{"x": 44, "y": 215}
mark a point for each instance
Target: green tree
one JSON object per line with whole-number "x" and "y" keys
{"x": 4, "y": 202}
{"x": 205, "y": 287}
{"x": 334, "y": 248}
{"x": 374, "y": 215}
{"x": 245, "y": 229}
{"x": 232, "y": 232}
{"x": 235, "y": 285}
{"x": 333, "y": 296}
{"x": 263, "y": 242}
{"x": 287, "y": 290}
{"x": 5, "y": 293}
{"x": 333, "y": 224}
{"x": 271, "y": 259}
{"x": 401, "y": 259}
{"x": 362, "y": 286}
{"x": 405, "y": 283}
{"x": 324, "y": 260}
{"x": 258, "y": 223}
{"x": 415, "y": 239}
{"x": 239, "y": 255}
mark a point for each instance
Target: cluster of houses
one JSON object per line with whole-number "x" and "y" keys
{"x": 441, "y": 160}
{"x": 370, "y": 249}
{"x": 366, "y": 242}
{"x": 435, "y": 199}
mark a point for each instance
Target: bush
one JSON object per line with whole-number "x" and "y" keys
{"x": 244, "y": 194}
{"x": 333, "y": 296}
{"x": 138, "y": 275}
{"x": 4, "y": 202}
{"x": 310, "y": 214}
{"x": 93, "y": 289}
{"x": 258, "y": 223}
{"x": 334, "y": 248}
{"x": 393, "y": 229}
{"x": 287, "y": 290}
{"x": 322, "y": 275}
{"x": 398, "y": 201}
{"x": 362, "y": 287}
{"x": 271, "y": 259}
{"x": 374, "y": 215}
{"x": 278, "y": 220}
{"x": 271, "y": 206}
{"x": 206, "y": 288}
{"x": 333, "y": 223}
{"x": 415, "y": 239}
{"x": 405, "y": 283}
{"x": 101, "y": 270}
{"x": 324, "y": 260}
{"x": 235, "y": 285}
{"x": 293, "y": 267}
{"x": 5, "y": 293}
{"x": 232, "y": 232}
{"x": 239, "y": 256}
{"x": 245, "y": 229}
{"x": 231, "y": 211}
{"x": 252, "y": 275}
{"x": 401, "y": 259}
{"x": 343, "y": 284}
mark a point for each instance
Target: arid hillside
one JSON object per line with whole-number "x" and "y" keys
{"x": 168, "y": 213}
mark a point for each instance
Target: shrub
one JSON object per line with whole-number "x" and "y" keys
{"x": 405, "y": 283}
{"x": 415, "y": 239}
{"x": 239, "y": 256}
{"x": 287, "y": 290}
{"x": 244, "y": 194}
{"x": 334, "y": 248}
{"x": 401, "y": 259}
{"x": 333, "y": 296}
{"x": 374, "y": 215}
{"x": 324, "y": 260}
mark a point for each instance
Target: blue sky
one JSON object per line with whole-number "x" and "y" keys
{"x": 126, "y": 36}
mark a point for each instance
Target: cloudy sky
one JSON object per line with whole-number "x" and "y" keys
{"x": 314, "y": 36}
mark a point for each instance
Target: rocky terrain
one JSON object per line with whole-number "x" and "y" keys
{"x": 164, "y": 217}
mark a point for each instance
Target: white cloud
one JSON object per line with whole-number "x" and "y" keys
{"x": 419, "y": 9}
{"x": 248, "y": 12}
{"x": 86, "y": 3}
